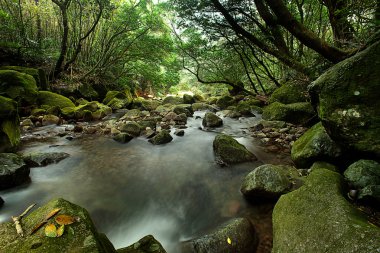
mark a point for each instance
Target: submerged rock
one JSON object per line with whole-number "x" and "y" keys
{"x": 79, "y": 237}
{"x": 317, "y": 218}
{"x": 228, "y": 150}
{"x": 161, "y": 138}
{"x": 237, "y": 236}
{"x": 13, "y": 171}
{"x": 296, "y": 113}
{"x": 212, "y": 120}
{"x": 43, "y": 159}
{"x": 147, "y": 244}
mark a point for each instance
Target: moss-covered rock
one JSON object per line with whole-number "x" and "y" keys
{"x": 248, "y": 108}
{"x": 50, "y": 119}
{"x": 10, "y": 131}
{"x": 184, "y": 108}
{"x": 144, "y": 104}
{"x": 203, "y": 107}
{"x": 123, "y": 137}
{"x": 13, "y": 171}
{"x": 161, "y": 138}
{"x": 8, "y": 108}
{"x": 317, "y": 218}
{"x": 38, "y": 74}
{"x": 290, "y": 92}
{"x": 79, "y": 237}
{"x": 242, "y": 235}
{"x": 198, "y": 98}
{"x": 172, "y": 100}
{"x": 324, "y": 165}
{"x": 53, "y": 99}
{"x": 363, "y": 173}
{"x": 87, "y": 91}
{"x": 188, "y": 99}
{"x": 212, "y": 120}
{"x": 296, "y": 113}
{"x": 18, "y": 86}
{"x": 131, "y": 128}
{"x": 348, "y": 103}
{"x": 228, "y": 150}
{"x": 314, "y": 145}
{"x": 117, "y": 99}
{"x": 225, "y": 101}
{"x": 147, "y": 244}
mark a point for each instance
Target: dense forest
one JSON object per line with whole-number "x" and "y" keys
{"x": 190, "y": 126}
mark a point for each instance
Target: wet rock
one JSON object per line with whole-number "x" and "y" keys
{"x": 248, "y": 108}
{"x": 50, "y": 120}
{"x": 242, "y": 235}
{"x": 203, "y": 107}
{"x": 132, "y": 114}
{"x": 269, "y": 182}
{"x": 147, "y": 244}
{"x": 318, "y": 218}
{"x": 296, "y": 113}
{"x": 117, "y": 99}
{"x": 273, "y": 124}
{"x": 363, "y": 173}
{"x": 188, "y": 99}
{"x": 179, "y": 132}
{"x": 123, "y": 137}
{"x": 143, "y": 104}
{"x": 43, "y": 159}
{"x": 290, "y": 92}
{"x": 211, "y": 120}
{"x": 26, "y": 122}
{"x": 169, "y": 117}
{"x": 228, "y": 150}
{"x": 225, "y": 101}
{"x": 184, "y": 108}
{"x": 161, "y": 138}
{"x": 172, "y": 100}
{"x": 181, "y": 119}
{"x": 314, "y": 145}
{"x": 9, "y": 125}
{"x": 323, "y": 165}
{"x": 131, "y": 128}
{"x": 13, "y": 170}
{"x": 149, "y": 133}
{"x": 80, "y": 237}
{"x": 18, "y": 86}
{"x": 347, "y": 101}
{"x": 91, "y": 129}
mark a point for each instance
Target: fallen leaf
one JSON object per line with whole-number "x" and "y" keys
{"x": 47, "y": 217}
{"x": 229, "y": 240}
{"x": 51, "y": 230}
{"x": 64, "y": 219}
{"x": 60, "y": 230}
{"x": 52, "y": 213}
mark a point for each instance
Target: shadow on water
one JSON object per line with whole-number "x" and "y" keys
{"x": 173, "y": 191}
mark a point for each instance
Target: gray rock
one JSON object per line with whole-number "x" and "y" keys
{"x": 363, "y": 173}
{"x": 179, "y": 132}
{"x": 370, "y": 193}
{"x": 211, "y": 120}
{"x": 1, "y": 202}
{"x": 161, "y": 138}
{"x": 123, "y": 137}
{"x": 50, "y": 120}
{"x": 131, "y": 128}
{"x": 13, "y": 170}
{"x": 43, "y": 159}
{"x": 146, "y": 244}
{"x": 184, "y": 108}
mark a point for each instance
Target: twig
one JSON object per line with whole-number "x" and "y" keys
{"x": 17, "y": 220}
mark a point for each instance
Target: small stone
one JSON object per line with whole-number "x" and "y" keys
{"x": 179, "y": 132}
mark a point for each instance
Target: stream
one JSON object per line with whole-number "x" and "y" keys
{"x": 174, "y": 191}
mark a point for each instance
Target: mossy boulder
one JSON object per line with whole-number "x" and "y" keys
{"x": 363, "y": 173}
{"x": 9, "y": 134}
{"x": 203, "y": 107}
{"x": 290, "y": 92}
{"x": 188, "y": 99}
{"x": 117, "y": 99}
{"x": 50, "y": 119}
{"x": 324, "y": 165}
{"x": 172, "y": 100}
{"x": 131, "y": 128}
{"x": 87, "y": 91}
{"x": 314, "y": 145}
{"x": 269, "y": 182}
{"x": 147, "y": 244}
{"x": 296, "y": 113}
{"x": 13, "y": 171}
{"x": 248, "y": 108}
{"x": 79, "y": 237}
{"x": 212, "y": 120}
{"x": 229, "y": 151}
{"x": 51, "y": 99}
{"x": 184, "y": 108}
{"x": 162, "y": 137}
{"x": 18, "y": 86}
{"x": 144, "y": 104}
{"x": 225, "y": 101}
{"x": 8, "y": 108}
{"x": 38, "y": 74}
{"x": 123, "y": 137}
{"x": 318, "y": 218}
{"x": 240, "y": 231}
{"x": 347, "y": 100}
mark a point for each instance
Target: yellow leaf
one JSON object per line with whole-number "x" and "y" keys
{"x": 60, "y": 230}
{"x": 52, "y": 213}
{"x": 64, "y": 219}
{"x": 229, "y": 240}
{"x": 51, "y": 230}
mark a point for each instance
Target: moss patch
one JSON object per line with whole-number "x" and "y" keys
{"x": 296, "y": 113}
{"x": 53, "y": 99}
{"x": 18, "y": 86}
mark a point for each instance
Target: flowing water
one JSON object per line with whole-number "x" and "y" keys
{"x": 173, "y": 191}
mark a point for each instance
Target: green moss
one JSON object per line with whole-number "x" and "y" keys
{"x": 117, "y": 99}
{"x": 317, "y": 218}
{"x": 296, "y": 113}
{"x": 38, "y": 74}
{"x": 172, "y": 100}
{"x": 248, "y": 108}
{"x": 18, "y": 86}
{"x": 225, "y": 101}
{"x": 290, "y": 92}
{"x": 324, "y": 165}
{"x": 11, "y": 127}
{"x": 148, "y": 244}
{"x": 53, "y": 99}
{"x": 8, "y": 107}
{"x": 38, "y": 112}
{"x": 87, "y": 91}
{"x": 363, "y": 173}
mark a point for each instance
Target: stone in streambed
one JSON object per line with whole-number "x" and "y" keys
{"x": 13, "y": 170}
{"x": 212, "y": 120}
{"x": 179, "y": 132}
{"x": 131, "y": 128}
{"x": 123, "y": 137}
{"x": 43, "y": 159}
{"x": 161, "y": 138}
{"x": 147, "y": 244}
{"x": 296, "y": 113}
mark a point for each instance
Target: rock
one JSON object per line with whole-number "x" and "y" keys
{"x": 117, "y": 99}
{"x": 240, "y": 231}
{"x": 186, "y": 109}
{"x": 1, "y": 202}
{"x": 363, "y": 173}
{"x": 9, "y": 125}
{"x": 38, "y": 75}
{"x": 198, "y": 98}
{"x": 169, "y": 117}
{"x": 273, "y": 123}
{"x": 248, "y": 108}
{"x": 296, "y": 113}
{"x": 143, "y": 104}
{"x": 148, "y": 244}
{"x": 318, "y": 218}
{"x": 228, "y": 150}
{"x": 13, "y": 171}
{"x": 323, "y": 165}
{"x": 290, "y": 92}
{"x": 347, "y": 101}
{"x": 314, "y": 145}
{"x": 161, "y": 138}
{"x": 79, "y": 237}
{"x": 132, "y": 114}
{"x": 122, "y": 137}
{"x": 179, "y": 132}
{"x": 131, "y": 128}
{"x": 225, "y": 101}
{"x": 43, "y": 159}
{"x": 149, "y": 133}
{"x": 181, "y": 119}
{"x": 188, "y": 99}
{"x": 50, "y": 99}
{"x": 370, "y": 193}
{"x": 50, "y": 120}
{"x": 18, "y": 86}
{"x": 172, "y": 100}
{"x": 211, "y": 120}
{"x": 203, "y": 107}
{"x": 269, "y": 182}
{"x": 87, "y": 91}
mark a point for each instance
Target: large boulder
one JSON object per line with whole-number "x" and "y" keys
{"x": 184, "y": 108}
{"x": 79, "y": 237}
{"x": 147, "y": 244}
{"x": 248, "y": 108}
{"x": 269, "y": 182}
{"x": 43, "y": 159}
{"x": 363, "y": 173}
{"x": 225, "y": 101}
{"x": 172, "y": 100}
{"x": 203, "y": 107}
{"x": 38, "y": 74}
{"x": 228, "y": 150}
{"x": 290, "y": 92}
{"x": 131, "y": 128}
{"x": 348, "y": 103}
{"x": 188, "y": 99}
{"x": 144, "y": 104}
{"x": 212, "y": 120}
{"x": 237, "y": 236}
{"x": 161, "y": 138}
{"x": 18, "y": 86}
{"x": 13, "y": 171}
{"x": 296, "y": 113}
{"x": 51, "y": 99}
{"x": 318, "y": 218}
{"x": 314, "y": 145}
{"x": 9, "y": 125}
{"x": 117, "y": 99}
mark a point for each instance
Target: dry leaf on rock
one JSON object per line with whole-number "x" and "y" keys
{"x": 51, "y": 230}
{"x": 60, "y": 230}
{"x": 64, "y": 219}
